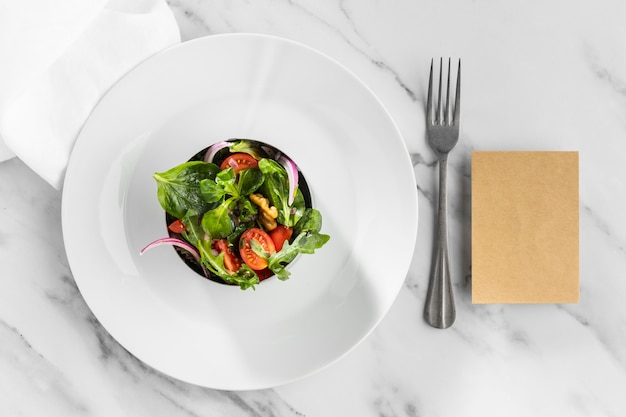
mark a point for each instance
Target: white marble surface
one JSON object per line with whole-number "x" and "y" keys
{"x": 548, "y": 75}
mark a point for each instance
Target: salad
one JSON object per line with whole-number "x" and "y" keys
{"x": 238, "y": 212}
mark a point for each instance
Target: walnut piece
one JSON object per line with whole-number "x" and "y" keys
{"x": 268, "y": 214}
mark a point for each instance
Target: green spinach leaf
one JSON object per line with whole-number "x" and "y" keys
{"x": 249, "y": 181}
{"x": 226, "y": 179}
{"x": 217, "y": 222}
{"x": 223, "y": 184}
{"x": 193, "y": 232}
{"x": 227, "y": 183}
{"x": 211, "y": 192}
{"x": 231, "y": 191}
{"x": 178, "y": 188}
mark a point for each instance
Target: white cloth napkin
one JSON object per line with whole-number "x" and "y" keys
{"x": 57, "y": 59}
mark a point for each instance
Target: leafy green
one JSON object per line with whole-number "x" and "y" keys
{"x": 217, "y": 222}
{"x": 305, "y": 243}
{"x": 308, "y": 239}
{"x": 249, "y": 181}
{"x": 227, "y": 183}
{"x": 197, "y": 236}
{"x": 215, "y": 190}
{"x": 233, "y": 238}
{"x": 245, "y": 277}
{"x": 276, "y": 189}
{"x": 178, "y": 188}
{"x": 311, "y": 221}
{"x": 231, "y": 191}
{"x": 248, "y": 147}
{"x": 192, "y": 232}
{"x": 258, "y": 249}
{"x": 211, "y": 192}
{"x": 245, "y": 210}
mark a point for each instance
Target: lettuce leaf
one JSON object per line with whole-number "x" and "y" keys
{"x": 178, "y": 189}
{"x": 307, "y": 240}
{"x": 197, "y": 236}
{"x": 276, "y": 189}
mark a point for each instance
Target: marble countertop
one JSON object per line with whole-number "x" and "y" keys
{"x": 544, "y": 76}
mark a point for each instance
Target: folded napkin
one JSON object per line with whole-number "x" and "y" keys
{"x": 57, "y": 59}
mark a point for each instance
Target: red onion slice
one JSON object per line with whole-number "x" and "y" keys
{"x": 174, "y": 242}
{"x": 213, "y": 149}
{"x": 292, "y": 175}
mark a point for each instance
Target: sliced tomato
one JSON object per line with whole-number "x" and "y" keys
{"x": 280, "y": 235}
{"x": 239, "y": 161}
{"x": 177, "y": 226}
{"x": 231, "y": 262}
{"x": 248, "y": 255}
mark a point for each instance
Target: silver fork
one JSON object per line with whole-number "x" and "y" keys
{"x": 442, "y": 128}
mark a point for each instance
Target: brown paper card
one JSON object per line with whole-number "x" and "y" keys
{"x": 525, "y": 232}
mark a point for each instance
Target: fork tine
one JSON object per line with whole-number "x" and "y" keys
{"x": 457, "y": 99}
{"x": 439, "y": 118}
{"x": 429, "y": 99}
{"x": 447, "y": 114}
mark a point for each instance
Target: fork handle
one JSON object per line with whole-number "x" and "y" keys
{"x": 440, "y": 311}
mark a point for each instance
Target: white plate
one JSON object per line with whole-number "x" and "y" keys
{"x": 175, "y": 104}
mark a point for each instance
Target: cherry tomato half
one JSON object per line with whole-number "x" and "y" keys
{"x": 251, "y": 259}
{"x": 239, "y": 161}
{"x": 280, "y": 235}
{"x": 231, "y": 262}
{"x": 177, "y": 226}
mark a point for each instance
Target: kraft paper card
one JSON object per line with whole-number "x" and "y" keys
{"x": 525, "y": 227}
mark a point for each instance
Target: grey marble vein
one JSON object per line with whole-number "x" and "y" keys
{"x": 35, "y": 375}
